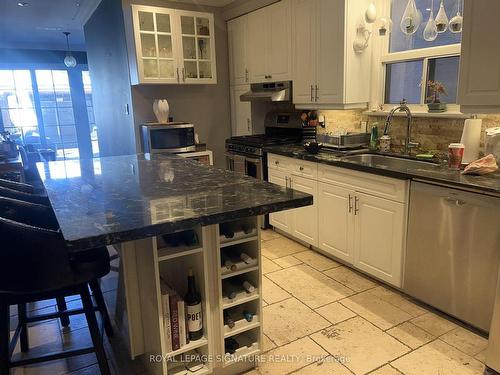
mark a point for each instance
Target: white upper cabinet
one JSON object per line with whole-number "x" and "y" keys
{"x": 172, "y": 46}
{"x": 270, "y": 43}
{"x": 237, "y": 31}
{"x": 327, "y": 72}
{"x": 479, "y": 83}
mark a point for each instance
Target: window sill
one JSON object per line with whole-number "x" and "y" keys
{"x": 448, "y": 114}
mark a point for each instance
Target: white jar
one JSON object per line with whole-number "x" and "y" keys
{"x": 385, "y": 143}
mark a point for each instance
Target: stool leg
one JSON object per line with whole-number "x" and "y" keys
{"x": 88, "y": 306}
{"x": 61, "y": 306}
{"x": 101, "y": 306}
{"x": 4, "y": 338}
{"x": 23, "y": 336}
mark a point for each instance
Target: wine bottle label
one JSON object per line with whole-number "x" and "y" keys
{"x": 194, "y": 318}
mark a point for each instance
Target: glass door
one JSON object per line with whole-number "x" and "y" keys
{"x": 197, "y": 51}
{"x": 155, "y": 44}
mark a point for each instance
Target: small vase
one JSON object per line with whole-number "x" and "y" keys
{"x": 161, "y": 110}
{"x": 436, "y": 107}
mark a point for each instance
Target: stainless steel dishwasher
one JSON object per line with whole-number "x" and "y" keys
{"x": 453, "y": 251}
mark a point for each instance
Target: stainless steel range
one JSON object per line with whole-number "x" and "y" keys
{"x": 246, "y": 154}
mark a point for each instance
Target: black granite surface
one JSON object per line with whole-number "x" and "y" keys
{"x": 122, "y": 198}
{"x": 431, "y": 172}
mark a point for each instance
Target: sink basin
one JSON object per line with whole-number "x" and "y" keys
{"x": 389, "y": 161}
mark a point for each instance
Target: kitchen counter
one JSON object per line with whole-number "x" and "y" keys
{"x": 433, "y": 172}
{"x": 123, "y": 198}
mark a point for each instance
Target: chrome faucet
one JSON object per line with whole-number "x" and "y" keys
{"x": 403, "y": 107}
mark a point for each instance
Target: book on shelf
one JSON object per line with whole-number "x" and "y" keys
{"x": 183, "y": 332}
{"x": 165, "y": 302}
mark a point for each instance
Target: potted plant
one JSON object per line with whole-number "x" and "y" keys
{"x": 435, "y": 89}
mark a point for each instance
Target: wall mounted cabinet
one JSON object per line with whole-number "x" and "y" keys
{"x": 357, "y": 217}
{"x": 479, "y": 83}
{"x": 171, "y": 46}
{"x": 237, "y": 31}
{"x": 327, "y": 73}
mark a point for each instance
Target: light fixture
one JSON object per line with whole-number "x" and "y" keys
{"x": 69, "y": 60}
{"x": 23, "y": 4}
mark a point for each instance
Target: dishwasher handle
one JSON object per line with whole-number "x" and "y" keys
{"x": 457, "y": 202}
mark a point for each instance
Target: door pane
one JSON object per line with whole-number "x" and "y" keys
{"x": 204, "y": 48}
{"x": 205, "y": 69}
{"x": 202, "y": 26}
{"x": 187, "y": 25}
{"x": 165, "y": 46}
{"x": 146, "y": 22}
{"x": 163, "y": 23}
{"x": 148, "y": 45}
{"x": 150, "y": 68}
{"x": 403, "y": 81}
{"x": 189, "y": 47}
{"x": 191, "y": 69}
{"x": 166, "y": 69}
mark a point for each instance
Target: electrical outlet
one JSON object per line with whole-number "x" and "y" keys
{"x": 322, "y": 121}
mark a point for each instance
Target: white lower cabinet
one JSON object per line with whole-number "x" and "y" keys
{"x": 305, "y": 219}
{"x": 350, "y": 219}
{"x": 281, "y": 220}
{"x": 335, "y": 221}
{"x": 379, "y": 237}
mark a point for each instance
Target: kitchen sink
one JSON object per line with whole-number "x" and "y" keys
{"x": 389, "y": 161}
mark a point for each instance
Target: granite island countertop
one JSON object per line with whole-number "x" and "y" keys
{"x": 437, "y": 173}
{"x": 123, "y": 198}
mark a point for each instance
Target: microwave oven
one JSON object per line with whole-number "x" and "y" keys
{"x": 174, "y": 137}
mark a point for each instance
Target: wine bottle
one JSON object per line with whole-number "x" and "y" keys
{"x": 229, "y": 291}
{"x": 245, "y": 258}
{"x": 190, "y": 238}
{"x": 226, "y": 231}
{"x": 248, "y": 287}
{"x": 193, "y": 308}
{"x": 247, "y": 229}
{"x": 231, "y": 345}
{"x": 228, "y": 320}
{"x": 247, "y": 315}
{"x": 228, "y": 263}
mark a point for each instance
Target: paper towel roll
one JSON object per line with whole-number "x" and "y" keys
{"x": 471, "y": 136}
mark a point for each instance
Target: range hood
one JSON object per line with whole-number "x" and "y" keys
{"x": 268, "y": 92}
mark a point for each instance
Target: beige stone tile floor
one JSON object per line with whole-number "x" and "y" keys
{"x": 323, "y": 317}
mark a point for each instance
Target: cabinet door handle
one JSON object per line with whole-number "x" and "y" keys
{"x": 356, "y": 208}
{"x": 312, "y": 95}
{"x": 277, "y": 163}
{"x": 178, "y": 77}
{"x": 183, "y": 76}
{"x": 350, "y": 203}
{"x": 286, "y": 182}
{"x": 248, "y": 124}
{"x": 246, "y": 75}
{"x": 290, "y": 181}
{"x": 316, "y": 96}
{"x": 301, "y": 168}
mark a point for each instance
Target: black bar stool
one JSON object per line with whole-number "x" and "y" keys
{"x": 35, "y": 265}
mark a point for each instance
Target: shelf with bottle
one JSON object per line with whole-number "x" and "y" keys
{"x": 239, "y": 258}
{"x": 238, "y": 347}
{"x": 192, "y": 362}
{"x": 238, "y": 231}
{"x": 179, "y": 244}
{"x": 240, "y": 289}
{"x": 241, "y": 318}
{"x": 184, "y": 305}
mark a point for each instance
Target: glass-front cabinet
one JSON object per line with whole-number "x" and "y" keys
{"x": 173, "y": 46}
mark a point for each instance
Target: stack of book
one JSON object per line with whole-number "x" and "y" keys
{"x": 174, "y": 318}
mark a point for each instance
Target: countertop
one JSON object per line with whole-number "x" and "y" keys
{"x": 123, "y": 198}
{"x": 489, "y": 183}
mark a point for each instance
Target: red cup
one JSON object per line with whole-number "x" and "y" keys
{"x": 455, "y": 155}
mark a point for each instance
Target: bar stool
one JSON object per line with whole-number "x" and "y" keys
{"x": 43, "y": 217}
{"x": 35, "y": 265}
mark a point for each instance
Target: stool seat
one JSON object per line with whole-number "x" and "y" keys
{"x": 23, "y": 196}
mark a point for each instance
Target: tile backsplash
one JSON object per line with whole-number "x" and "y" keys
{"x": 433, "y": 134}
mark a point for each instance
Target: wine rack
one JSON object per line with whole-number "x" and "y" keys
{"x": 234, "y": 239}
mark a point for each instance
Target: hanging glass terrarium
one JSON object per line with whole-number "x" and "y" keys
{"x": 430, "y": 31}
{"x": 441, "y": 19}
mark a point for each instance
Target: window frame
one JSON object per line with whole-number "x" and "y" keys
{"x": 385, "y": 57}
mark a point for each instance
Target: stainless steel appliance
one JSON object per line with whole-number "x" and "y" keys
{"x": 344, "y": 141}
{"x": 453, "y": 251}
{"x": 493, "y": 353}
{"x": 268, "y": 92}
{"x": 175, "y": 137}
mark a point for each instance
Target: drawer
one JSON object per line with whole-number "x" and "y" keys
{"x": 381, "y": 186}
{"x": 279, "y": 162}
{"x": 304, "y": 168}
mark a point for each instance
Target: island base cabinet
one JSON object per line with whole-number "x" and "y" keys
{"x": 335, "y": 222}
{"x": 305, "y": 219}
{"x": 281, "y": 220}
{"x": 379, "y": 237}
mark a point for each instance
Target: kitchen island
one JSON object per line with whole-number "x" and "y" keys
{"x": 138, "y": 201}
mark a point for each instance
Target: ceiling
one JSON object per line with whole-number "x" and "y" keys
{"x": 40, "y": 24}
